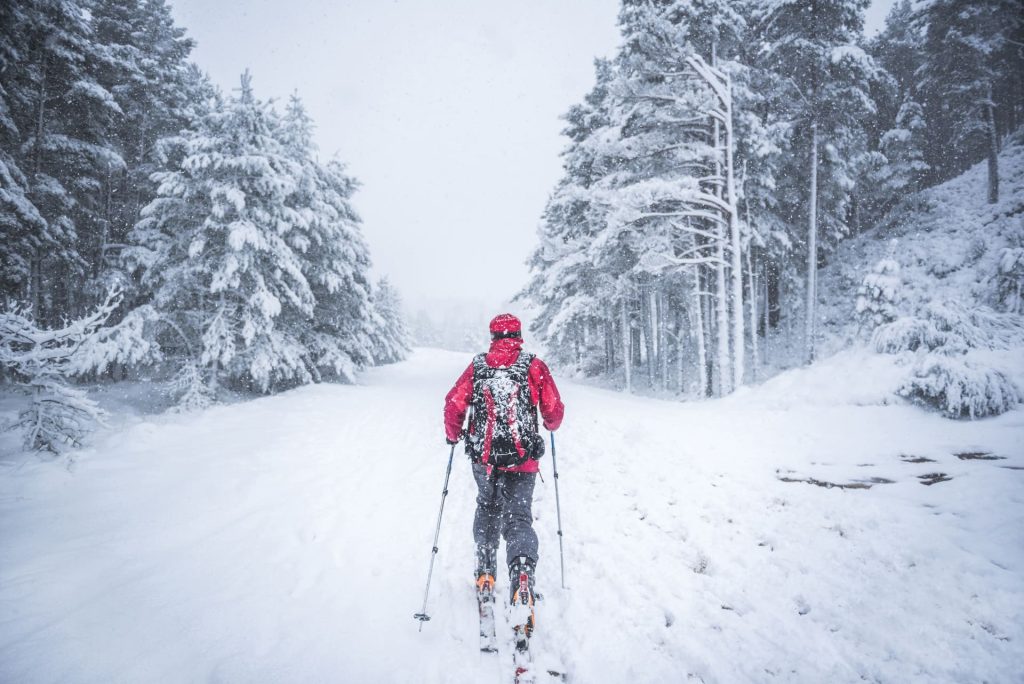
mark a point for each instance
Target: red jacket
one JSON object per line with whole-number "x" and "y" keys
{"x": 543, "y": 393}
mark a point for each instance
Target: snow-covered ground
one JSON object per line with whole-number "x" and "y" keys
{"x": 287, "y": 539}
{"x": 948, "y": 241}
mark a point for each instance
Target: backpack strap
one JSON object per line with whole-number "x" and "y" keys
{"x": 521, "y": 368}
{"x": 480, "y": 372}
{"x": 520, "y": 372}
{"x": 524, "y": 360}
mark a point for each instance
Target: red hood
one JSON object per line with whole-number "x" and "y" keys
{"x": 504, "y": 352}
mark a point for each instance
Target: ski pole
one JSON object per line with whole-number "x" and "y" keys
{"x": 422, "y": 616}
{"x": 558, "y": 509}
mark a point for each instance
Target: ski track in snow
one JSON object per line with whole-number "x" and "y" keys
{"x": 287, "y": 540}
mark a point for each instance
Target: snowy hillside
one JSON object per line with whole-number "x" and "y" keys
{"x": 948, "y": 241}
{"x": 286, "y": 539}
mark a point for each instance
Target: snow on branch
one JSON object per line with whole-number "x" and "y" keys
{"x": 961, "y": 388}
{"x": 125, "y": 343}
{"x": 41, "y": 361}
{"x": 879, "y": 294}
{"x": 948, "y": 371}
{"x": 951, "y": 328}
{"x": 192, "y": 388}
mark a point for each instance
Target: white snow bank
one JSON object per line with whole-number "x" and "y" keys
{"x": 856, "y": 376}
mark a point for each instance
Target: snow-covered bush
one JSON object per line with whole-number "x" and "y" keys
{"x": 41, "y": 361}
{"x": 944, "y": 374}
{"x": 878, "y": 295}
{"x": 960, "y": 388}
{"x": 908, "y": 333}
{"x": 951, "y": 328}
{"x": 975, "y": 327}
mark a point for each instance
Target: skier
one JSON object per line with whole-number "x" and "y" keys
{"x": 501, "y": 390}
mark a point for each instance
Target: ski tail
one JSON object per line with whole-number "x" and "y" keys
{"x": 523, "y": 616}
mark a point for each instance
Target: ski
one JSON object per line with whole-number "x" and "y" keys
{"x": 523, "y": 619}
{"x": 531, "y": 666}
{"x": 485, "y": 605}
{"x": 488, "y": 637}
{"x": 522, "y": 659}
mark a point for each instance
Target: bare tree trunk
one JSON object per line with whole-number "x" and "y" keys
{"x": 698, "y": 328}
{"x": 627, "y": 344}
{"x": 993, "y": 150}
{"x": 661, "y": 302}
{"x": 36, "y": 266}
{"x": 755, "y": 363}
{"x": 647, "y": 326}
{"x": 723, "y": 377}
{"x": 577, "y": 355}
{"x": 609, "y": 343}
{"x": 812, "y": 251}
{"x": 680, "y": 349}
{"x": 108, "y": 221}
{"x": 734, "y": 234}
{"x": 767, "y": 315}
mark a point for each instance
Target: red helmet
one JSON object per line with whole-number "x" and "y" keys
{"x": 506, "y": 325}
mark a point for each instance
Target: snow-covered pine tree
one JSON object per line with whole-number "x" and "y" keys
{"x": 878, "y": 296}
{"x": 565, "y": 286}
{"x": 970, "y": 81}
{"x": 40, "y": 360}
{"x": 897, "y": 49}
{"x": 670, "y": 195}
{"x": 145, "y": 67}
{"x": 391, "y": 342}
{"x": 814, "y": 48}
{"x": 219, "y": 242}
{"x": 903, "y": 147}
{"x": 20, "y": 220}
{"x": 191, "y": 387}
{"x": 333, "y": 256}
{"x": 762, "y": 143}
{"x": 56, "y": 118}
{"x": 897, "y": 169}
{"x": 639, "y": 230}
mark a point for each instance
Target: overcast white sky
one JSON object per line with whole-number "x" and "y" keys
{"x": 446, "y": 110}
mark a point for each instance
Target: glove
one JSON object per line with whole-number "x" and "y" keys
{"x": 451, "y": 442}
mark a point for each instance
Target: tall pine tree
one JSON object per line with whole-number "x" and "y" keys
{"x": 219, "y": 243}
{"x": 813, "y": 46}
{"x": 56, "y": 119}
{"x": 971, "y": 82}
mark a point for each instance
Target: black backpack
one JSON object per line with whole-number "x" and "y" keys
{"x": 503, "y": 414}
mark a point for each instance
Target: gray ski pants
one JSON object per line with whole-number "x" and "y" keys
{"x": 504, "y": 505}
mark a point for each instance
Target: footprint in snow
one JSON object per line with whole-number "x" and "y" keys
{"x": 802, "y": 606}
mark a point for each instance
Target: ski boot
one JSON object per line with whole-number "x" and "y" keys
{"x": 486, "y": 569}
{"x": 521, "y": 578}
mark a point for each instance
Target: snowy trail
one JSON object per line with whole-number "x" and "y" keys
{"x": 287, "y": 539}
